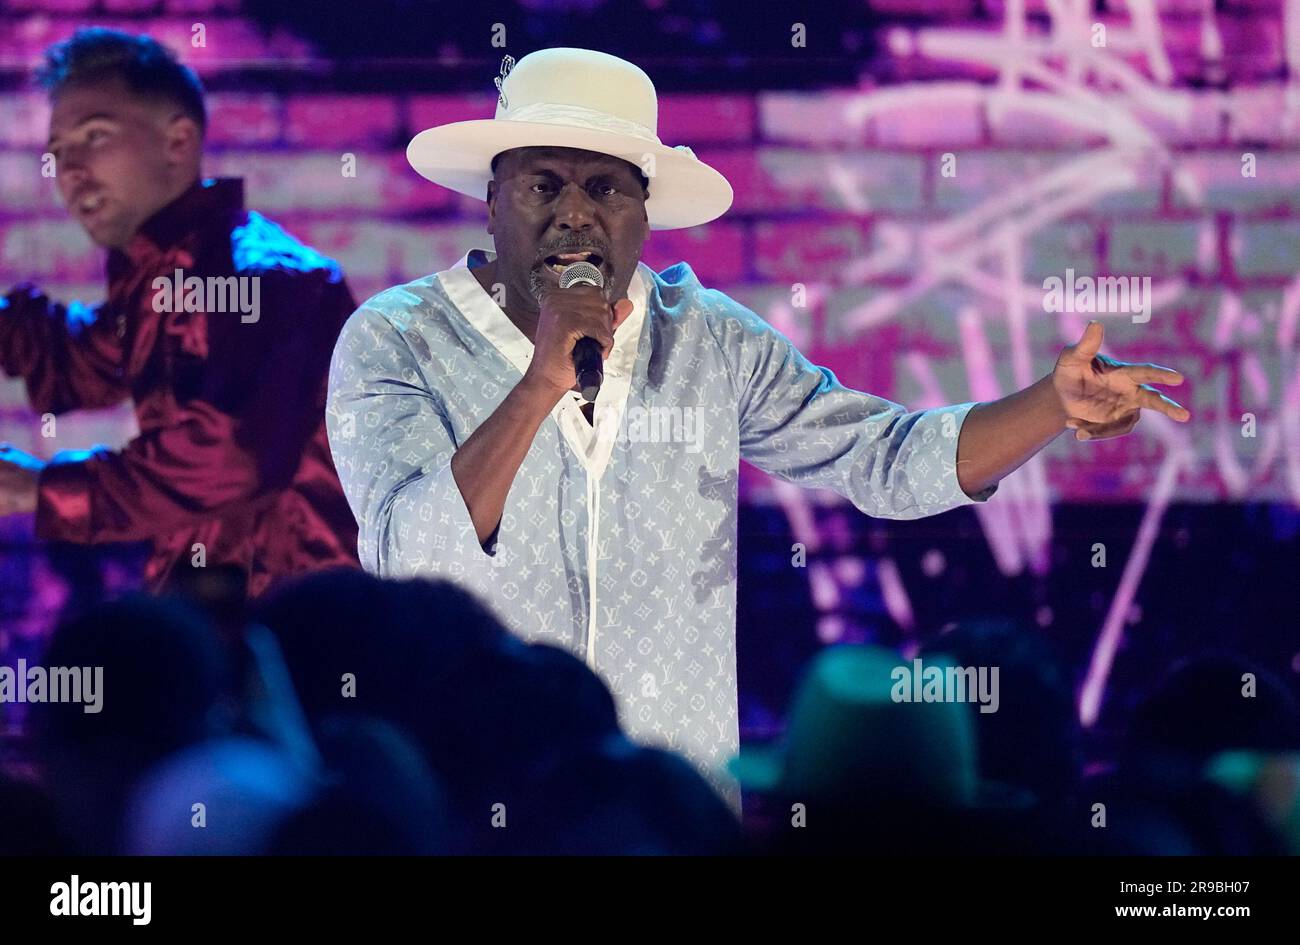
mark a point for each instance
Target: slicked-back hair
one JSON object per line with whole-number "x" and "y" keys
{"x": 147, "y": 68}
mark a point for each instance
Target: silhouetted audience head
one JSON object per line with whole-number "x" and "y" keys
{"x": 1159, "y": 800}
{"x": 354, "y": 642}
{"x": 871, "y": 764}
{"x": 493, "y": 716}
{"x": 1207, "y": 704}
{"x": 615, "y": 798}
{"x": 379, "y": 797}
{"x": 1033, "y": 739}
{"x": 164, "y": 679}
{"x": 161, "y": 682}
{"x": 222, "y": 797}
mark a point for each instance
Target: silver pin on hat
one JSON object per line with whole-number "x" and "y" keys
{"x": 507, "y": 64}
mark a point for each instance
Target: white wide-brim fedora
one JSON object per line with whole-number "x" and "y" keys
{"x": 576, "y": 98}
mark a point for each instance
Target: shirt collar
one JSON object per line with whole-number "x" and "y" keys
{"x": 593, "y": 443}
{"x": 201, "y": 206}
{"x": 494, "y": 325}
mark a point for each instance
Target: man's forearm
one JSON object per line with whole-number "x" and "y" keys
{"x": 486, "y": 464}
{"x": 998, "y": 437}
{"x": 63, "y": 369}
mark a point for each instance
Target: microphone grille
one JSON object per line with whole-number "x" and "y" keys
{"x": 582, "y": 273}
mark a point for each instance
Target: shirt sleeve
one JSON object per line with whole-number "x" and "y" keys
{"x": 68, "y": 355}
{"x": 241, "y": 419}
{"x": 392, "y": 444}
{"x": 162, "y": 479}
{"x": 799, "y": 423}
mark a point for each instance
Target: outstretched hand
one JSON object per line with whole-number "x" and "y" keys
{"x": 1104, "y": 397}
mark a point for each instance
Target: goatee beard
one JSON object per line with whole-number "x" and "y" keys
{"x": 537, "y": 286}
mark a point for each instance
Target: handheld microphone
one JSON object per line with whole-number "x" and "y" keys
{"x": 587, "y": 362}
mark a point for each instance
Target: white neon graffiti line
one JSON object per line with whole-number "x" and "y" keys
{"x": 1093, "y": 690}
{"x": 1281, "y": 437}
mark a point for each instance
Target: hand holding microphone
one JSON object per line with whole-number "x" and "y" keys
{"x": 588, "y": 364}
{"x": 575, "y": 332}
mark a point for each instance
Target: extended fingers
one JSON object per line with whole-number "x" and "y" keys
{"x": 1152, "y": 399}
{"x": 1083, "y": 430}
{"x": 1151, "y": 374}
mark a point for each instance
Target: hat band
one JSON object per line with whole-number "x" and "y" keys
{"x": 551, "y": 113}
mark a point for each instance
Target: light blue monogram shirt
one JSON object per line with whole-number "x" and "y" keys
{"x": 618, "y": 539}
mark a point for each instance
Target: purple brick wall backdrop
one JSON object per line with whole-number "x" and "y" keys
{"x": 991, "y": 145}
{"x": 1124, "y": 159}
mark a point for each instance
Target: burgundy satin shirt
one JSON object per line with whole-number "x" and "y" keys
{"x": 232, "y": 451}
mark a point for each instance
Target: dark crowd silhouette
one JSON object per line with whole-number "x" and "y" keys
{"x": 347, "y": 715}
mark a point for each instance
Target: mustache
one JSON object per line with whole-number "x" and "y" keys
{"x": 573, "y": 244}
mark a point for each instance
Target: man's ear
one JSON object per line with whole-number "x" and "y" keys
{"x": 183, "y": 141}
{"x": 492, "y": 204}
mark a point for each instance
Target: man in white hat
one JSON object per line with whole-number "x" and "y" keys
{"x": 467, "y": 452}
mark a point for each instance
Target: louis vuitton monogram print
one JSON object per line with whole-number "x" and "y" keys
{"x": 618, "y": 540}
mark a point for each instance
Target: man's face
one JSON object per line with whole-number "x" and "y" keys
{"x": 119, "y": 158}
{"x": 547, "y": 205}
